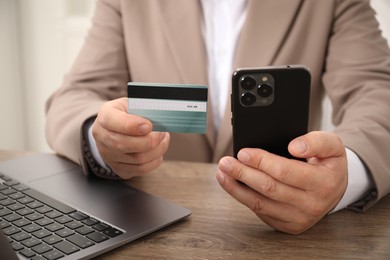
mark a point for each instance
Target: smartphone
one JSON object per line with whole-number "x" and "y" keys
{"x": 270, "y": 107}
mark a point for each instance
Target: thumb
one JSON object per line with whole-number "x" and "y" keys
{"x": 318, "y": 144}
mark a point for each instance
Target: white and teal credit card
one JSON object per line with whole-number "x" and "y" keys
{"x": 178, "y": 108}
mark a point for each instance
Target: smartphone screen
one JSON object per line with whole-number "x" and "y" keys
{"x": 270, "y": 107}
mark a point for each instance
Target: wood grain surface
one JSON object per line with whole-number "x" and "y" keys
{"x": 221, "y": 228}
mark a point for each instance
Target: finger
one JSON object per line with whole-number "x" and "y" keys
{"x": 290, "y": 227}
{"x": 137, "y": 158}
{"x": 288, "y": 171}
{"x": 261, "y": 181}
{"x": 317, "y": 144}
{"x": 281, "y": 216}
{"x": 113, "y": 117}
{"x": 259, "y": 204}
{"x": 121, "y": 143}
{"x": 127, "y": 171}
{"x": 149, "y": 162}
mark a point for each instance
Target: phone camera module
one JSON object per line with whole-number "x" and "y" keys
{"x": 248, "y": 99}
{"x": 248, "y": 83}
{"x": 264, "y": 90}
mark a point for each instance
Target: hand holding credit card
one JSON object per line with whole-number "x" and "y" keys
{"x": 178, "y": 108}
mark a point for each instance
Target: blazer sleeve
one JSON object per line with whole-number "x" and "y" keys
{"x": 99, "y": 74}
{"x": 357, "y": 79}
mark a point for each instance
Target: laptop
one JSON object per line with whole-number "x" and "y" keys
{"x": 50, "y": 210}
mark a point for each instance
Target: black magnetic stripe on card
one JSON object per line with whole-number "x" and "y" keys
{"x": 166, "y": 92}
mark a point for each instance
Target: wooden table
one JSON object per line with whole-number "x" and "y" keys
{"x": 221, "y": 228}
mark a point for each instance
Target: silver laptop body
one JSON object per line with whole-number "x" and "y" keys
{"x": 133, "y": 212}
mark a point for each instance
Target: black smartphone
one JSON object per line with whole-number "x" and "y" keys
{"x": 270, "y": 107}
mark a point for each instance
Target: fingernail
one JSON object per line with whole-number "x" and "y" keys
{"x": 225, "y": 165}
{"x": 299, "y": 145}
{"x": 243, "y": 156}
{"x": 144, "y": 129}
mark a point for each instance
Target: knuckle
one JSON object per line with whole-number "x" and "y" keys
{"x": 259, "y": 162}
{"x": 300, "y": 225}
{"x": 240, "y": 173}
{"x": 269, "y": 186}
{"x": 139, "y": 146}
{"x": 120, "y": 147}
{"x": 256, "y": 206}
{"x": 138, "y": 158}
{"x": 315, "y": 211}
{"x": 281, "y": 172}
{"x": 114, "y": 142}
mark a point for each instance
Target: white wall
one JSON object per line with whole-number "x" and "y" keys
{"x": 39, "y": 41}
{"x": 48, "y": 48}
{"x": 12, "y": 126}
{"x": 382, "y": 7}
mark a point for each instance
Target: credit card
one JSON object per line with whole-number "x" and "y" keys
{"x": 180, "y": 108}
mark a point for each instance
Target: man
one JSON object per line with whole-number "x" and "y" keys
{"x": 202, "y": 42}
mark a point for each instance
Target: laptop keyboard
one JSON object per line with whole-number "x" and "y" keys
{"x": 40, "y": 227}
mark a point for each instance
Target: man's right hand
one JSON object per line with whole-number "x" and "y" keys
{"x": 126, "y": 142}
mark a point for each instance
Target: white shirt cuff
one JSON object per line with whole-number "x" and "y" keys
{"x": 359, "y": 182}
{"x": 92, "y": 146}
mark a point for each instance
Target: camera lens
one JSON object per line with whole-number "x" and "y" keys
{"x": 248, "y": 99}
{"x": 248, "y": 83}
{"x": 264, "y": 90}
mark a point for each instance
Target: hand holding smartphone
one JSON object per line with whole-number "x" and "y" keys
{"x": 270, "y": 107}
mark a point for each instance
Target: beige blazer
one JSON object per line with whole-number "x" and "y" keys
{"x": 161, "y": 41}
